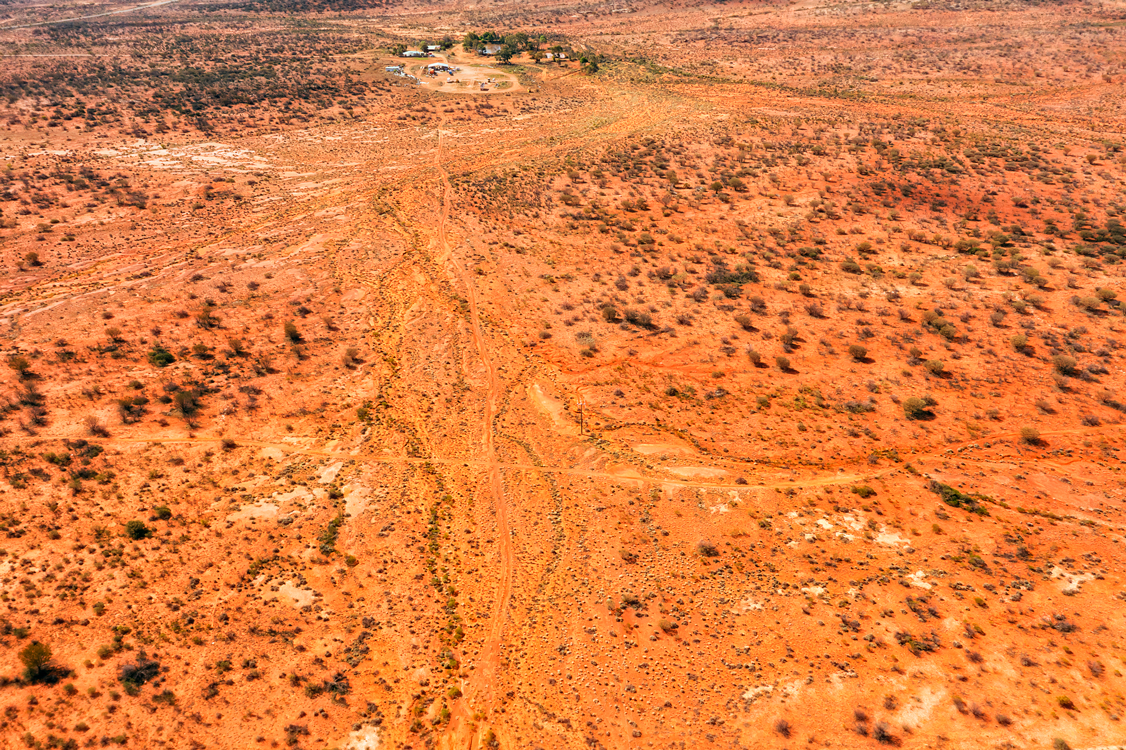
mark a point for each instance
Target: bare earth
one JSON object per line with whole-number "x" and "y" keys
{"x": 758, "y": 385}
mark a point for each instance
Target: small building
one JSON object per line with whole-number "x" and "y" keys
{"x": 433, "y": 48}
{"x": 414, "y": 53}
{"x": 491, "y": 49}
{"x": 396, "y": 69}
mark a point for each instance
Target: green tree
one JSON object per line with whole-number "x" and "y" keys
{"x": 36, "y": 660}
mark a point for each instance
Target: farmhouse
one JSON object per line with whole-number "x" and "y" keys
{"x": 414, "y": 53}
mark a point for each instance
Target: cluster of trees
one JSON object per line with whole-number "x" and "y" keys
{"x": 512, "y": 44}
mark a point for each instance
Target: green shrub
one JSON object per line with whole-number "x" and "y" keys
{"x": 160, "y": 357}
{"x": 958, "y": 499}
{"x": 137, "y": 530}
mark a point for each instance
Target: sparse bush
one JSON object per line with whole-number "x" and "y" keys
{"x": 291, "y": 332}
{"x": 782, "y": 727}
{"x": 783, "y": 363}
{"x": 882, "y": 733}
{"x": 22, "y": 366}
{"x": 935, "y": 367}
{"x": 706, "y": 549}
{"x": 858, "y": 352}
{"x": 1030, "y": 435}
{"x": 94, "y": 426}
{"x": 1064, "y": 364}
{"x": 135, "y": 674}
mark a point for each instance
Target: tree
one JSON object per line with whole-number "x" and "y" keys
{"x": 36, "y": 659}
{"x": 505, "y": 54}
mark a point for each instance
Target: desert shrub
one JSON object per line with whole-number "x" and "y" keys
{"x": 667, "y": 626}
{"x": 94, "y": 426}
{"x": 882, "y": 733}
{"x": 160, "y": 357}
{"x": 1030, "y": 435}
{"x": 706, "y": 549}
{"x": 1019, "y": 342}
{"x": 206, "y": 319}
{"x": 754, "y": 357}
{"x": 135, "y": 674}
{"x": 934, "y": 367}
{"x": 1064, "y": 364}
{"x": 863, "y": 491}
{"x": 638, "y": 318}
{"x": 291, "y": 332}
{"x": 918, "y": 407}
{"x": 1065, "y": 702}
{"x": 162, "y": 512}
{"x": 783, "y": 363}
{"x": 957, "y": 499}
{"x": 783, "y": 728}
{"x": 610, "y": 314}
{"x": 858, "y": 352}
{"x": 131, "y": 408}
{"x": 137, "y": 530}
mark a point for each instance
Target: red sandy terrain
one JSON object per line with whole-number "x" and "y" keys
{"x": 751, "y": 378}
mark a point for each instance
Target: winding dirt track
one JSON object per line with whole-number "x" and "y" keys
{"x": 488, "y": 660}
